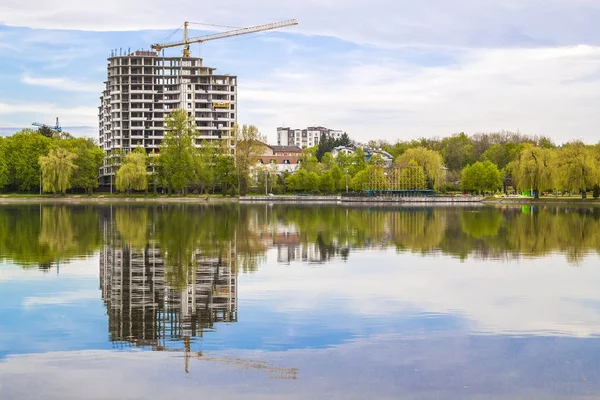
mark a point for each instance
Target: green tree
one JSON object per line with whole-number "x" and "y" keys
{"x": 311, "y": 183}
{"x": 457, "y": 151}
{"x": 326, "y": 183}
{"x": 133, "y": 173}
{"x": 431, "y": 162}
{"x": 292, "y": 182}
{"x": 577, "y": 168}
{"x": 359, "y": 160}
{"x": 89, "y": 160}
{"x": 481, "y": 177}
{"x": 337, "y": 176}
{"x": 328, "y": 161}
{"x": 249, "y": 148}
{"x": 4, "y": 172}
{"x": 534, "y": 169}
{"x": 176, "y": 159}
{"x": 57, "y": 170}
{"x": 308, "y": 161}
{"x": 23, "y": 151}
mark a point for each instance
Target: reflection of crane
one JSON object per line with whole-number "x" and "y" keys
{"x": 240, "y": 363}
{"x": 236, "y": 32}
{"x": 56, "y": 128}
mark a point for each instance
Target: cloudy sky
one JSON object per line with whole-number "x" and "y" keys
{"x": 389, "y": 69}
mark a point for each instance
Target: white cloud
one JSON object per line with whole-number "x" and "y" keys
{"x": 63, "y": 84}
{"x": 382, "y": 22}
{"x": 47, "y": 112}
{"x": 552, "y": 91}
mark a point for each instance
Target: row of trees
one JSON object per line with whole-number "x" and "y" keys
{"x": 488, "y": 163}
{"x": 478, "y": 163}
{"x": 180, "y": 166}
{"x": 61, "y": 162}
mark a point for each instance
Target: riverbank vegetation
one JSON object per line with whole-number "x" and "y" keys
{"x": 481, "y": 163}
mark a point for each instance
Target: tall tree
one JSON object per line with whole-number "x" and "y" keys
{"x": 577, "y": 168}
{"x": 176, "y": 159}
{"x": 534, "y": 169}
{"x": 133, "y": 173}
{"x": 249, "y": 147}
{"x": 57, "y": 170}
{"x": 457, "y": 151}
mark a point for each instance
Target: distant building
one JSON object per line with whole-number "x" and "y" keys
{"x": 282, "y": 158}
{"x": 342, "y": 149}
{"x": 369, "y": 152}
{"x": 304, "y": 138}
{"x": 387, "y": 157}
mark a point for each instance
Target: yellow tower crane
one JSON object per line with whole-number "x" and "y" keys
{"x": 236, "y": 32}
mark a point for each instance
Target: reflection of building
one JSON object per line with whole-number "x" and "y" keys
{"x": 287, "y": 241}
{"x": 145, "y": 309}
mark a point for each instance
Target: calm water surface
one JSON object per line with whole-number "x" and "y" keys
{"x": 299, "y": 302}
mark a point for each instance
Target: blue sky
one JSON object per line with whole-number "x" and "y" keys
{"x": 380, "y": 69}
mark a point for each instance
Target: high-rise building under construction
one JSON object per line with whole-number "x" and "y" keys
{"x": 142, "y": 88}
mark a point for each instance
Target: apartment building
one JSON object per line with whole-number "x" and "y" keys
{"x": 304, "y": 138}
{"x": 142, "y": 88}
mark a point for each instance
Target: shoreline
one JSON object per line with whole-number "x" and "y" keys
{"x": 290, "y": 199}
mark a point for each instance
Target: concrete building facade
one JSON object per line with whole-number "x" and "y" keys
{"x": 142, "y": 88}
{"x": 304, "y": 138}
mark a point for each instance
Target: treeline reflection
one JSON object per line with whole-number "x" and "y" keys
{"x": 46, "y": 235}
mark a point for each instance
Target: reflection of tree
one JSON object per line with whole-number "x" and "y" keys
{"x": 42, "y": 235}
{"x": 132, "y": 224}
{"x": 481, "y": 224}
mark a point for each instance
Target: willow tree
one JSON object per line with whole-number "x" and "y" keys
{"x": 431, "y": 162}
{"x": 249, "y": 146}
{"x": 176, "y": 159}
{"x": 132, "y": 175}
{"x": 534, "y": 169}
{"x": 57, "y": 170}
{"x": 577, "y": 168}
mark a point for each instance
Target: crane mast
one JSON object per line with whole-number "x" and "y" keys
{"x": 221, "y": 35}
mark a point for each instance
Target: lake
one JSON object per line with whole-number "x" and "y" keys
{"x": 299, "y": 302}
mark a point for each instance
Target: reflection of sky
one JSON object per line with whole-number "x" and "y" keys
{"x": 378, "y": 325}
{"x": 382, "y": 367}
{"x": 283, "y": 307}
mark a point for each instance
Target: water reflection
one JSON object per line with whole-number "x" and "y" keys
{"x": 352, "y": 302}
{"x": 46, "y": 235}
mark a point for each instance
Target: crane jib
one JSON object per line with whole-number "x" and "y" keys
{"x": 236, "y": 32}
